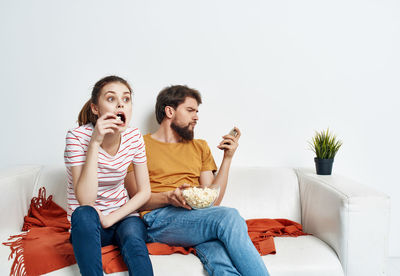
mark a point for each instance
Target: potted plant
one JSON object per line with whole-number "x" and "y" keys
{"x": 325, "y": 145}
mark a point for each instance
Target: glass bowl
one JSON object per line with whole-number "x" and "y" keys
{"x": 200, "y": 198}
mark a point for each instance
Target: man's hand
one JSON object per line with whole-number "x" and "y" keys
{"x": 230, "y": 143}
{"x": 176, "y": 198}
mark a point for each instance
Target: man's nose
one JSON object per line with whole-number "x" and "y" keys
{"x": 196, "y": 117}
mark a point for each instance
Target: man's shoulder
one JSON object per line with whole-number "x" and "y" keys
{"x": 196, "y": 143}
{"x": 200, "y": 143}
{"x": 147, "y": 137}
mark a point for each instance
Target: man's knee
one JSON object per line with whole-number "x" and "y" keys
{"x": 85, "y": 218}
{"x": 232, "y": 217}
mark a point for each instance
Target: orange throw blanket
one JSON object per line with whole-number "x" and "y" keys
{"x": 48, "y": 239}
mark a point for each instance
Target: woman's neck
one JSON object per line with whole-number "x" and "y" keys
{"x": 111, "y": 143}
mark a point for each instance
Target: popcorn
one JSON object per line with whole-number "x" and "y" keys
{"x": 199, "y": 198}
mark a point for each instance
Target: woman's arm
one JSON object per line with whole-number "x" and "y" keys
{"x": 138, "y": 188}
{"x": 84, "y": 177}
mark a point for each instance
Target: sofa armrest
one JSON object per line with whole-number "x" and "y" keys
{"x": 17, "y": 185}
{"x": 352, "y": 218}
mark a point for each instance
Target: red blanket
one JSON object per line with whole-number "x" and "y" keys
{"x": 48, "y": 239}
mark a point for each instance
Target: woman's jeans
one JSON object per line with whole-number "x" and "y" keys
{"x": 87, "y": 237}
{"x": 219, "y": 235}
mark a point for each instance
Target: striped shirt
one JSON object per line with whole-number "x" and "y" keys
{"x": 111, "y": 170}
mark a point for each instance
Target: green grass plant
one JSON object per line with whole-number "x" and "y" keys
{"x": 325, "y": 145}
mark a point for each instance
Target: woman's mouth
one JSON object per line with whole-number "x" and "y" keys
{"x": 122, "y": 117}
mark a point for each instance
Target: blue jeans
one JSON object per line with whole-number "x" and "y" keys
{"x": 87, "y": 237}
{"x": 219, "y": 235}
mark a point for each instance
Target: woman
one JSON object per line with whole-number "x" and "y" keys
{"x": 97, "y": 155}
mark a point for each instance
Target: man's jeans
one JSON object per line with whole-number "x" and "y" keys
{"x": 87, "y": 237}
{"x": 219, "y": 235}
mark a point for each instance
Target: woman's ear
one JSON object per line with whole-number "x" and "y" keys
{"x": 169, "y": 111}
{"x": 94, "y": 108}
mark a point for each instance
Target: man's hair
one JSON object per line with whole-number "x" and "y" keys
{"x": 173, "y": 96}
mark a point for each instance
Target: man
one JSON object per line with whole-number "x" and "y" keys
{"x": 177, "y": 161}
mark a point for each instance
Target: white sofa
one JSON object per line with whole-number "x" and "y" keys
{"x": 348, "y": 221}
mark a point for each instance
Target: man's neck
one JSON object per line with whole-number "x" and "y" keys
{"x": 166, "y": 134}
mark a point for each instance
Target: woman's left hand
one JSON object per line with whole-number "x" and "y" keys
{"x": 104, "y": 219}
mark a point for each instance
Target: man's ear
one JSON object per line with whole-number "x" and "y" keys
{"x": 169, "y": 111}
{"x": 94, "y": 108}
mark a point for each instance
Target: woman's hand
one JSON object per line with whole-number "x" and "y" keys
{"x": 230, "y": 143}
{"x": 106, "y": 124}
{"x": 104, "y": 219}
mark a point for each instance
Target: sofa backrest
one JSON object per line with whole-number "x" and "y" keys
{"x": 54, "y": 179}
{"x": 264, "y": 192}
{"x": 255, "y": 192}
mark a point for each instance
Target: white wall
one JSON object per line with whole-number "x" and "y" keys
{"x": 277, "y": 69}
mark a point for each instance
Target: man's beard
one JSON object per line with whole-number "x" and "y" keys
{"x": 184, "y": 132}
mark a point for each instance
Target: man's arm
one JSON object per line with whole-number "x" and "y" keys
{"x": 229, "y": 145}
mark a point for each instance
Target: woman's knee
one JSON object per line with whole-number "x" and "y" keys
{"x": 85, "y": 218}
{"x": 131, "y": 228}
{"x": 134, "y": 246}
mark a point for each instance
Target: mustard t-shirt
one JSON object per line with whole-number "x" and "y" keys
{"x": 173, "y": 164}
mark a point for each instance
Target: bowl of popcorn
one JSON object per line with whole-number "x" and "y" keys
{"x": 199, "y": 198}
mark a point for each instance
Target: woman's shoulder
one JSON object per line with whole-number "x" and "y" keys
{"x": 81, "y": 131}
{"x": 132, "y": 135}
{"x": 131, "y": 131}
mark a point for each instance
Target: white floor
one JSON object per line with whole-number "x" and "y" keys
{"x": 393, "y": 267}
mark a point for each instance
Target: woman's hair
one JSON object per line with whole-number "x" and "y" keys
{"x": 173, "y": 96}
{"x": 86, "y": 115}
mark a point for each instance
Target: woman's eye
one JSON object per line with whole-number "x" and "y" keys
{"x": 110, "y": 99}
{"x": 127, "y": 99}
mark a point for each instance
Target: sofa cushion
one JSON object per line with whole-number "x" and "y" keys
{"x": 264, "y": 193}
{"x": 176, "y": 264}
{"x": 303, "y": 256}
